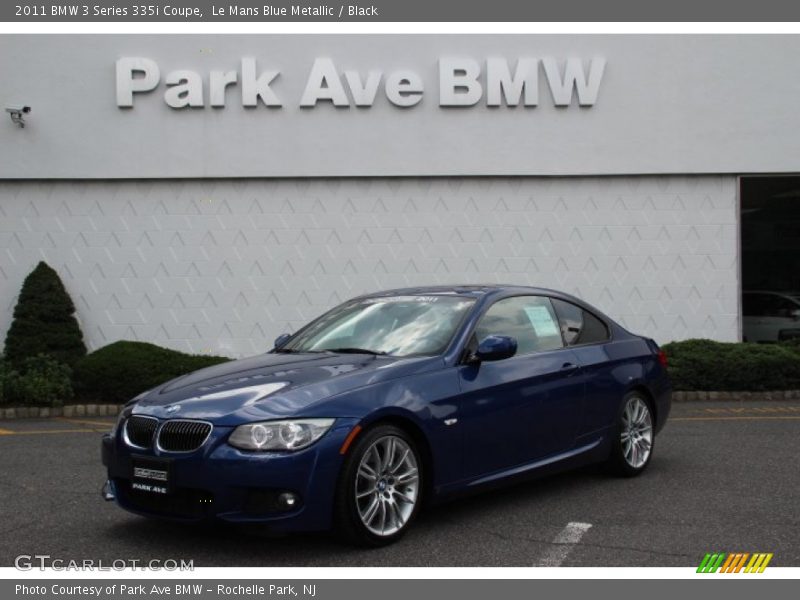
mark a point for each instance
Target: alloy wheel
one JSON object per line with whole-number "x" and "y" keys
{"x": 637, "y": 432}
{"x": 387, "y": 485}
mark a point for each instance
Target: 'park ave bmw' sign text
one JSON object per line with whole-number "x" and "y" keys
{"x": 462, "y": 82}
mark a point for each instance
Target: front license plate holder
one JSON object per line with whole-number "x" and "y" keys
{"x": 151, "y": 475}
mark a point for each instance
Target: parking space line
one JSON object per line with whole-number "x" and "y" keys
{"x": 46, "y": 431}
{"x": 80, "y": 421}
{"x": 87, "y": 426}
{"x": 563, "y": 544}
{"x": 755, "y": 409}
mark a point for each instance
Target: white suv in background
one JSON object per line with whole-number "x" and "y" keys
{"x": 770, "y": 316}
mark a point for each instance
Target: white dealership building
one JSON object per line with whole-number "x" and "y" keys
{"x": 207, "y": 193}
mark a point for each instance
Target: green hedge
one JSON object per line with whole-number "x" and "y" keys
{"x": 705, "y": 365}
{"x": 40, "y": 381}
{"x": 118, "y": 372}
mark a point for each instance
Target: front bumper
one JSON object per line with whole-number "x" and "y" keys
{"x": 217, "y": 481}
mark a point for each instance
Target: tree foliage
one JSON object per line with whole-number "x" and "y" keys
{"x": 44, "y": 321}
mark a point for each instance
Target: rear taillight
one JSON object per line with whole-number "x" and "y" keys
{"x": 662, "y": 358}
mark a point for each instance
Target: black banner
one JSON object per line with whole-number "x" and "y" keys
{"x": 731, "y": 588}
{"x": 395, "y": 11}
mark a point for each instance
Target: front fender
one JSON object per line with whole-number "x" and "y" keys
{"x": 424, "y": 404}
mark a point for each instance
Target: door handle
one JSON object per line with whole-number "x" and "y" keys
{"x": 568, "y": 367}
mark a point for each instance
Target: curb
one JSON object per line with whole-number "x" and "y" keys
{"x": 736, "y": 396}
{"x": 71, "y": 411}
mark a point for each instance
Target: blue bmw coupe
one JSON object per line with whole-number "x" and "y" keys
{"x": 388, "y": 401}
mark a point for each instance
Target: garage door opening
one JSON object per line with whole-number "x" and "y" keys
{"x": 770, "y": 221}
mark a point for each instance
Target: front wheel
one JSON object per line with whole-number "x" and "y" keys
{"x": 634, "y": 438}
{"x": 380, "y": 490}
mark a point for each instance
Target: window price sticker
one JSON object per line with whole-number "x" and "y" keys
{"x": 542, "y": 321}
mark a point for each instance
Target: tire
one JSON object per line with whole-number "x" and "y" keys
{"x": 634, "y": 436}
{"x": 375, "y": 502}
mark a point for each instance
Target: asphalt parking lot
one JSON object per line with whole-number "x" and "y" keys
{"x": 724, "y": 477}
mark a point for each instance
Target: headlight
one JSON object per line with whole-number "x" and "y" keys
{"x": 294, "y": 434}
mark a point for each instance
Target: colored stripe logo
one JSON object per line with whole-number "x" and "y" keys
{"x": 735, "y": 562}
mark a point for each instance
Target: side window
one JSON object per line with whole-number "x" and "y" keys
{"x": 579, "y": 326}
{"x": 530, "y": 320}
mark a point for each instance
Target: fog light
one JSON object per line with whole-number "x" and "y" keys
{"x": 287, "y": 500}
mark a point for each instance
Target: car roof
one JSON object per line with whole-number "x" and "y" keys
{"x": 471, "y": 289}
{"x": 480, "y": 291}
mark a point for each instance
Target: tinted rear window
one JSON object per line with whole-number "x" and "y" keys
{"x": 579, "y": 326}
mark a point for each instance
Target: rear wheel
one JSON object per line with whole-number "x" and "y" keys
{"x": 380, "y": 490}
{"x": 634, "y": 438}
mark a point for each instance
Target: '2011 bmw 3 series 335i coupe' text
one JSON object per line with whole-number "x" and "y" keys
{"x": 389, "y": 401}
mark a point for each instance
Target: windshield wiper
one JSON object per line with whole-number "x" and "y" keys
{"x": 356, "y": 351}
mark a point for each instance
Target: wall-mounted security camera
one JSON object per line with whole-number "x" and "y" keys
{"x": 17, "y": 113}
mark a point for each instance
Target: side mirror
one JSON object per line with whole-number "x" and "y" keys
{"x": 495, "y": 347}
{"x": 281, "y": 339}
{"x": 795, "y": 314}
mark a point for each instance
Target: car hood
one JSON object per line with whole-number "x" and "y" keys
{"x": 272, "y": 386}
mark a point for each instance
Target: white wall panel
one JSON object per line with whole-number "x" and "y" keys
{"x": 666, "y": 104}
{"x": 224, "y": 266}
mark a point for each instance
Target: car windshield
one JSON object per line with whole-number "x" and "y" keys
{"x": 394, "y": 325}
